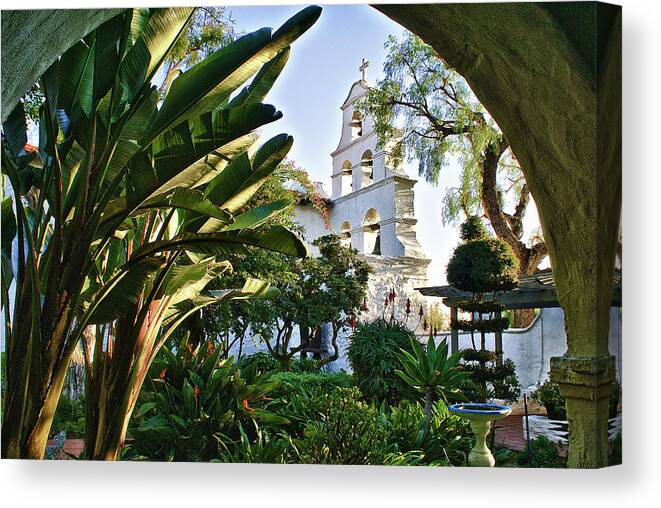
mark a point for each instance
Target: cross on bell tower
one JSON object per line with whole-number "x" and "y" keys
{"x": 363, "y": 67}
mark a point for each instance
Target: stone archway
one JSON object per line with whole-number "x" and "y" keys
{"x": 345, "y": 234}
{"x": 32, "y": 40}
{"x": 367, "y": 168}
{"x": 346, "y": 178}
{"x": 372, "y": 233}
{"x": 550, "y": 74}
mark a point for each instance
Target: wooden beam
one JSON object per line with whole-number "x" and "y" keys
{"x": 540, "y": 299}
{"x": 454, "y": 333}
{"x": 499, "y": 340}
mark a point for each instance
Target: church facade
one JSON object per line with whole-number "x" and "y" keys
{"x": 372, "y": 209}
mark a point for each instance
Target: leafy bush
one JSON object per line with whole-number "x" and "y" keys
{"x": 447, "y": 442}
{"x": 473, "y": 229}
{"x": 543, "y": 454}
{"x": 481, "y": 266}
{"x": 319, "y": 382}
{"x": 261, "y": 361}
{"x": 338, "y": 427}
{"x": 372, "y": 352}
{"x": 199, "y": 407}
{"x": 488, "y": 379}
{"x": 69, "y": 417}
{"x": 346, "y": 430}
{"x": 548, "y": 395}
{"x": 265, "y": 362}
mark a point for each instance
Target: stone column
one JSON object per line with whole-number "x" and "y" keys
{"x": 585, "y": 382}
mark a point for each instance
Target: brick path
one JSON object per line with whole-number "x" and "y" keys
{"x": 509, "y": 432}
{"x": 71, "y": 446}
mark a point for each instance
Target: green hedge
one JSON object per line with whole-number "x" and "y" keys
{"x": 294, "y": 382}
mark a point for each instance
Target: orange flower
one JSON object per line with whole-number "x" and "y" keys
{"x": 246, "y": 406}
{"x": 196, "y": 391}
{"x": 162, "y": 374}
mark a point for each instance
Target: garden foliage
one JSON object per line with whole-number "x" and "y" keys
{"x": 131, "y": 198}
{"x": 372, "y": 351}
{"x": 198, "y": 407}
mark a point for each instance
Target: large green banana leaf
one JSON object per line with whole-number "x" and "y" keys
{"x": 276, "y": 239}
{"x": 207, "y": 85}
{"x": 235, "y": 185}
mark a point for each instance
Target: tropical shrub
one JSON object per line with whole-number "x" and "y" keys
{"x": 264, "y": 448}
{"x": 345, "y": 430}
{"x": 543, "y": 454}
{"x": 431, "y": 373}
{"x": 262, "y": 361}
{"x": 447, "y": 441}
{"x": 372, "y": 352}
{"x": 548, "y": 394}
{"x": 267, "y": 363}
{"x": 198, "y": 407}
{"x": 69, "y": 417}
{"x": 292, "y": 383}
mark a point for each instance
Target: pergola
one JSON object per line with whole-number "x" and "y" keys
{"x": 536, "y": 291}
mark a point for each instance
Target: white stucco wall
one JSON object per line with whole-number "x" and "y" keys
{"x": 313, "y": 225}
{"x": 531, "y": 349}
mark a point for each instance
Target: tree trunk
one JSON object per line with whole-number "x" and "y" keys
{"x": 522, "y": 318}
{"x": 509, "y": 227}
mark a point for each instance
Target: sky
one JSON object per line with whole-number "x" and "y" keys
{"x": 322, "y": 67}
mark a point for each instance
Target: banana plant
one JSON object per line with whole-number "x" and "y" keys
{"x": 431, "y": 372}
{"x": 113, "y": 162}
{"x": 130, "y": 332}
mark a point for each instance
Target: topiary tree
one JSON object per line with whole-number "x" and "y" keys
{"x": 482, "y": 266}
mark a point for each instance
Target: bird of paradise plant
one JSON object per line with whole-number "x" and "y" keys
{"x": 121, "y": 190}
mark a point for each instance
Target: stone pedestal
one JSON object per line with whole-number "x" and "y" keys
{"x": 585, "y": 381}
{"x": 481, "y": 417}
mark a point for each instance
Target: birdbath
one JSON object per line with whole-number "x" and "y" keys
{"x": 480, "y": 416}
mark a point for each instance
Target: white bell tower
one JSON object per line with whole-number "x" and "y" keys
{"x": 373, "y": 207}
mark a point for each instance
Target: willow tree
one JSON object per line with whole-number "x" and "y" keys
{"x": 433, "y": 112}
